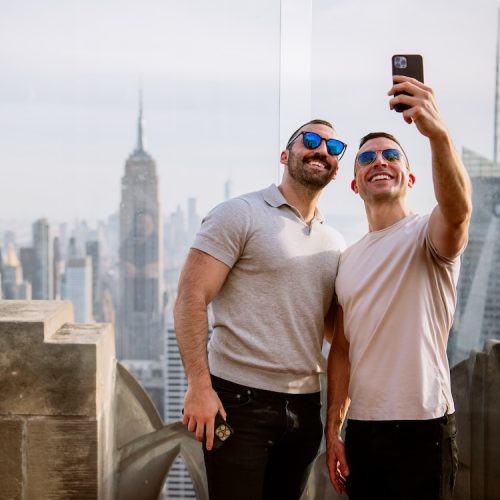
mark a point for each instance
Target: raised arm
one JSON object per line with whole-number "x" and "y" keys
{"x": 201, "y": 279}
{"x": 338, "y": 403}
{"x": 449, "y": 223}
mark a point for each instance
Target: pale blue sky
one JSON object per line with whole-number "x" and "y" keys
{"x": 210, "y": 75}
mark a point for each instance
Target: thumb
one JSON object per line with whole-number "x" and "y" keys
{"x": 344, "y": 468}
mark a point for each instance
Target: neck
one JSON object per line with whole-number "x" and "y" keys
{"x": 384, "y": 215}
{"x": 302, "y": 198}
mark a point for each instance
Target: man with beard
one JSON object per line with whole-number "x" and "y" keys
{"x": 266, "y": 262}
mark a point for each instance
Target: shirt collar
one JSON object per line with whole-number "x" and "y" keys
{"x": 273, "y": 197}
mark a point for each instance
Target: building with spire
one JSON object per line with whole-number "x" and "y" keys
{"x": 139, "y": 321}
{"x": 477, "y": 317}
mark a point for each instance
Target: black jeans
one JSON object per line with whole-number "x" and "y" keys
{"x": 276, "y": 438}
{"x": 402, "y": 459}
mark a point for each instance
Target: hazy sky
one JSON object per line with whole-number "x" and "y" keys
{"x": 210, "y": 79}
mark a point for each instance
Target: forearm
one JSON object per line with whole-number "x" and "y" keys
{"x": 191, "y": 328}
{"x": 452, "y": 186}
{"x": 337, "y": 393}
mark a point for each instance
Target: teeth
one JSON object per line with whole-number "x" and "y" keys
{"x": 380, "y": 177}
{"x": 317, "y": 164}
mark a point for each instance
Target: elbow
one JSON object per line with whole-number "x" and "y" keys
{"x": 458, "y": 214}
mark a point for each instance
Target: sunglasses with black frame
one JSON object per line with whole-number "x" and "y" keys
{"x": 312, "y": 140}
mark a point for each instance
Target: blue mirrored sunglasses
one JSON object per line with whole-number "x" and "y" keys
{"x": 312, "y": 140}
{"x": 367, "y": 157}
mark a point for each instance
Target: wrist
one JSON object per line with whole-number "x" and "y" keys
{"x": 200, "y": 381}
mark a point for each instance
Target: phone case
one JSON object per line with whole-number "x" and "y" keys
{"x": 408, "y": 65}
{"x": 222, "y": 431}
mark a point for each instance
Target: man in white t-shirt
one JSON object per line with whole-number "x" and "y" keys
{"x": 397, "y": 289}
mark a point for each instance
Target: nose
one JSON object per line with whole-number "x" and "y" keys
{"x": 379, "y": 159}
{"x": 322, "y": 147}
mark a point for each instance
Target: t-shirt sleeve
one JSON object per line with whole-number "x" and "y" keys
{"x": 433, "y": 253}
{"x": 224, "y": 231}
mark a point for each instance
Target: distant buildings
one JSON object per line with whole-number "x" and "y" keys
{"x": 139, "y": 322}
{"x": 124, "y": 272}
{"x": 478, "y": 312}
{"x": 13, "y": 286}
{"x": 43, "y": 278}
{"x": 77, "y": 287}
{"x": 179, "y": 484}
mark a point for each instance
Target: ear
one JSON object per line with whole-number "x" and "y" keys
{"x": 354, "y": 186}
{"x": 284, "y": 157}
{"x": 411, "y": 180}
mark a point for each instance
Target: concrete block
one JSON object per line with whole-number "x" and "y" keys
{"x": 61, "y": 459}
{"x": 11, "y": 471}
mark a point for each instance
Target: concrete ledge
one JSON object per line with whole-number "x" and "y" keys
{"x": 57, "y": 404}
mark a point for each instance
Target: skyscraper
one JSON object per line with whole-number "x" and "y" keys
{"x": 478, "y": 312}
{"x": 58, "y": 267}
{"x": 179, "y": 483}
{"x": 93, "y": 249}
{"x": 139, "y": 335}
{"x": 12, "y": 281}
{"x": 77, "y": 287}
{"x": 27, "y": 258}
{"x": 43, "y": 271}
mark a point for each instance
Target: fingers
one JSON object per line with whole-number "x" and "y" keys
{"x": 336, "y": 478}
{"x": 222, "y": 412}
{"x": 342, "y": 465}
{"x": 410, "y": 92}
{"x": 209, "y": 432}
{"x": 199, "y": 415}
{"x": 405, "y": 82}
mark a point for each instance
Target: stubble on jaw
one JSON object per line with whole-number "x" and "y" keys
{"x": 299, "y": 171}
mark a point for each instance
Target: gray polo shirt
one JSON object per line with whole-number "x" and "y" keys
{"x": 268, "y": 316}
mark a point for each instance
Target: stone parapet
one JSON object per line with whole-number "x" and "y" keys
{"x": 476, "y": 391}
{"x": 56, "y": 409}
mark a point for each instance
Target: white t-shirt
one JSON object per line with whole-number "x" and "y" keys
{"x": 398, "y": 297}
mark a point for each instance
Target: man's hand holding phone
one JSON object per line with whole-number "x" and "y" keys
{"x": 202, "y": 406}
{"x": 422, "y": 110}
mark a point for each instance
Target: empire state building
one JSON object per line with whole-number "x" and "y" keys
{"x": 139, "y": 335}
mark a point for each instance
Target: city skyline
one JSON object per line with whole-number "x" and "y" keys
{"x": 212, "y": 108}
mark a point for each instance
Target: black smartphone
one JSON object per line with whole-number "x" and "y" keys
{"x": 222, "y": 431}
{"x": 407, "y": 65}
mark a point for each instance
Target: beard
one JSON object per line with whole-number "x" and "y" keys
{"x": 301, "y": 173}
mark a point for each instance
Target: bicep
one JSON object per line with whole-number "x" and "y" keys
{"x": 447, "y": 239}
{"x": 202, "y": 275}
{"x": 339, "y": 341}
{"x": 330, "y": 321}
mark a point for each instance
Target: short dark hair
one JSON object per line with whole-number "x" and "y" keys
{"x": 316, "y": 121}
{"x": 386, "y": 135}
{"x": 375, "y": 135}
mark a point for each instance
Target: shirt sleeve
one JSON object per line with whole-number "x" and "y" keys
{"x": 224, "y": 231}
{"x": 433, "y": 253}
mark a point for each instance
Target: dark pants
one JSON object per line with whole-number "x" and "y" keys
{"x": 276, "y": 438}
{"x": 402, "y": 459}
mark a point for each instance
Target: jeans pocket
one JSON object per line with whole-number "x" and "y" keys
{"x": 232, "y": 397}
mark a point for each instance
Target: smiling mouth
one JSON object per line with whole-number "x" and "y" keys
{"x": 380, "y": 177}
{"x": 318, "y": 164}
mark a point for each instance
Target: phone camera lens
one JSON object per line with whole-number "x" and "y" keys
{"x": 400, "y": 62}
